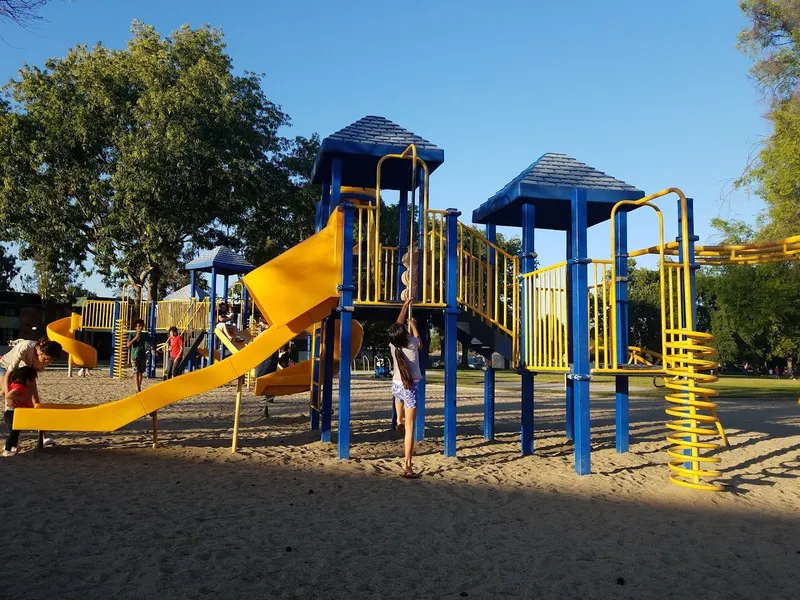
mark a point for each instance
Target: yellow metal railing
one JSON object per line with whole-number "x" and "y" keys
{"x": 600, "y": 331}
{"x": 367, "y": 249}
{"x": 98, "y": 314}
{"x": 388, "y": 272}
{"x": 545, "y": 294}
{"x": 487, "y": 280}
{"x": 431, "y": 277}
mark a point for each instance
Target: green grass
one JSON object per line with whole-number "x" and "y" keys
{"x": 728, "y": 386}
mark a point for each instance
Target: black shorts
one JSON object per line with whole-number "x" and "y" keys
{"x": 140, "y": 363}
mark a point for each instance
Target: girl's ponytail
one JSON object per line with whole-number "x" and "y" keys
{"x": 401, "y": 362}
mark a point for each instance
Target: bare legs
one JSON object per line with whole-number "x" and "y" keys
{"x": 139, "y": 381}
{"x": 410, "y": 420}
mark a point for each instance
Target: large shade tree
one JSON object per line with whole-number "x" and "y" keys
{"x": 129, "y": 157}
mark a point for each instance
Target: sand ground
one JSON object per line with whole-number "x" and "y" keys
{"x": 106, "y": 516}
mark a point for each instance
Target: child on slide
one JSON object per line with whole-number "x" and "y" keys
{"x": 21, "y": 387}
{"x": 225, "y": 323}
{"x": 404, "y": 350}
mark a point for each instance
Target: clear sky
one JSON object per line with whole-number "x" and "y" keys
{"x": 654, "y": 93}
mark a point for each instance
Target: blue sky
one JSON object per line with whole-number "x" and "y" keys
{"x": 654, "y": 93}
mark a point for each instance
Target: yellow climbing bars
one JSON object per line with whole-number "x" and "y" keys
{"x": 688, "y": 363}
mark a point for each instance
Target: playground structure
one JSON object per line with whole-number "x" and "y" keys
{"x": 568, "y": 318}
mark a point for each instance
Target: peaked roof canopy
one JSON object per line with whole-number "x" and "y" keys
{"x": 548, "y": 184}
{"x": 184, "y": 293}
{"x": 362, "y": 144}
{"x": 224, "y": 260}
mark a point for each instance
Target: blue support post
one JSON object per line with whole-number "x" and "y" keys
{"x": 222, "y": 350}
{"x": 621, "y": 421}
{"x": 245, "y": 307}
{"x": 690, "y": 320}
{"x": 192, "y": 290}
{"x": 528, "y": 265}
{"x": 402, "y": 240}
{"x": 580, "y": 326}
{"x": 212, "y": 316}
{"x": 151, "y": 330}
{"x": 325, "y": 206}
{"x": 346, "y": 331}
{"x": 114, "y": 338}
{"x": 424, "y": 329}
{"x": 419, "y": 428}
{"x": 336, "y": 187}
{"x": 450, "y": 348}
{"x": 569, "y": 384}
{"x": 327, "y": 384}
{"x": 489, "y": 374}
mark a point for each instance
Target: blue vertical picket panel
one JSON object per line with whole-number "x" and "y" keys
{"x": 346, "y": 332}
{"x": 419, "y": 428}
{"x": 151, "y": 330}
{"x": 114, "y": 341}
{"x": 402, "y": 240}
{"x": 622, "y": 418}
{"x": 528, "y": 265}
{"x": 212, "y": 315}
{"x": 569, "y": 384}
{"x": 450, "y": 333}
{"x": 580, "y": 325}
{"x": 192, "y": 288}
{"x": 489, "y": 374}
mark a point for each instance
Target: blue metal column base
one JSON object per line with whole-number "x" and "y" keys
{"x": 622, "y": 399}
{"x": 345, "y": 330}
{"x": 450, "y": 381}
{"x": 488, "y": 403}
{"x": 327, "y": 383}
{"x": 528, "y": 265}
{"x": 450, "y": 348}
{"x": 621, "y": 424}
{"x": 580, "y": 327}
{"x": 419, "y": 426}
{"x": 569, "y": 389}
{"x": 151, "y": 329}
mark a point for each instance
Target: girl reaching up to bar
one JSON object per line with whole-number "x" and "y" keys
{"x": 404, "y": 350}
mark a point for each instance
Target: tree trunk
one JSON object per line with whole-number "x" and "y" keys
{"x": 153, "y": 284}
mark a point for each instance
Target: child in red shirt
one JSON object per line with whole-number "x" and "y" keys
{"x": 175, "y": 343}
{"x": 21, "y": 382}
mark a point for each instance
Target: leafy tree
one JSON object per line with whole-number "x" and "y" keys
{"x": 127, "y": 156}
{"x": 8, "y": 268}
{"x": 54, "y": 279}
{"x": 772, "y": 41}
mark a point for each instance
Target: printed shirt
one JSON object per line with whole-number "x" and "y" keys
{"x": 19, "y": 396}
{"x": 176, "y": 346}
{"x": 139, "y": 347}
{"x": 412, "y": 355}
{"x": 23, "y": 354}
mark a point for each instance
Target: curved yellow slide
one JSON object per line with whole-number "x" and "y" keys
{"x": 63, "y": 332}
{"x": 297, "y": 378}
{"x": 293, "y": 291}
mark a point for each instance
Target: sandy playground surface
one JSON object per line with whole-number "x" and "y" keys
{"x": 106, "y": 516}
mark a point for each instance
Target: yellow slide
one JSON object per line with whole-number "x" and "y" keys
{"x": 293, "y": 291}
{"x": 297, "y": 378}
{"x": 63, "y": 332}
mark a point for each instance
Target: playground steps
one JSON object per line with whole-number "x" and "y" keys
{"x": 120, "y": 350}
{"x": 483, "y": 338}
{"x": 192, "y": 343}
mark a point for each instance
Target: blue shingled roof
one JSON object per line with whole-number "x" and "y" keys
{"x": 548, "y": 184}
{"x": 361, "y": 144}
{"x": 223, "y": 259}
{"x": 185, "y": 294}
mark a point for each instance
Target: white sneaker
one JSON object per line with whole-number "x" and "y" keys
{"x": 11, "y": 452}
{"x": 49, "y": 442}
